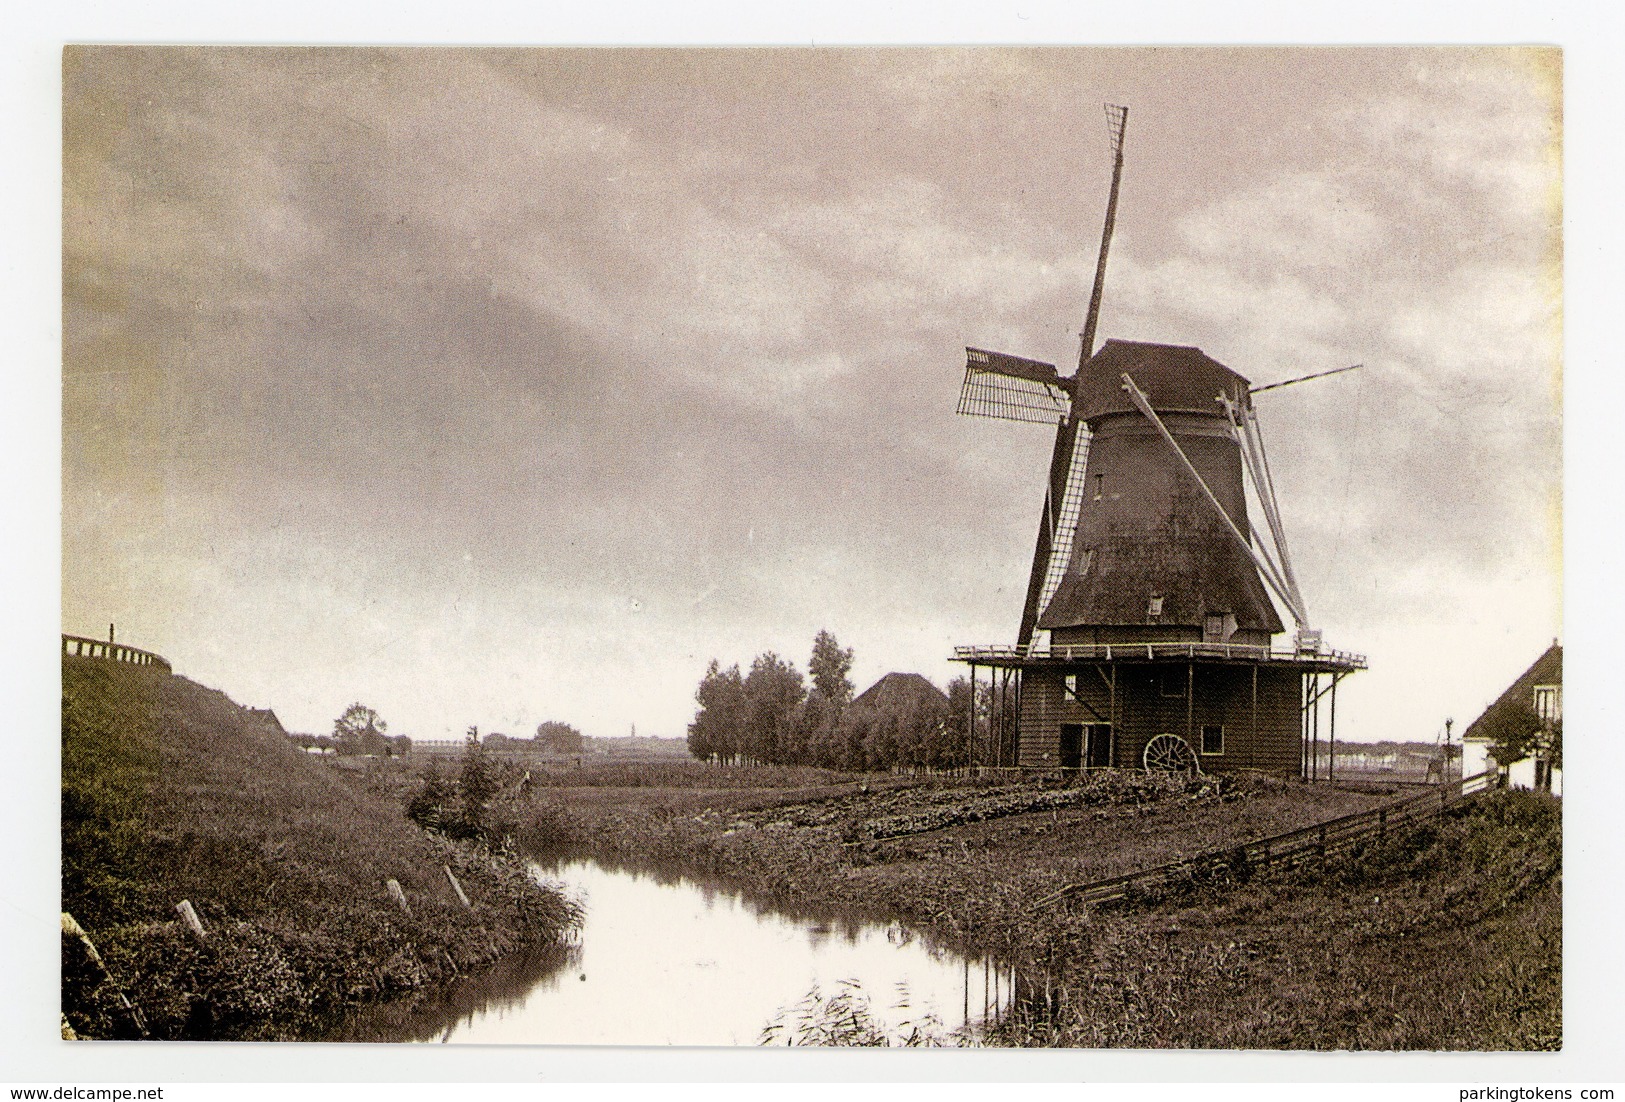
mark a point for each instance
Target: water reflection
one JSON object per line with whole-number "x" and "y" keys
{"x": 664, "y": 959}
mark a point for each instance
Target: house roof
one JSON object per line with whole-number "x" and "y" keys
{"x": 1547, "y": 670}
{"x": 267, "y": 717}
{"x": 900, "y": 689}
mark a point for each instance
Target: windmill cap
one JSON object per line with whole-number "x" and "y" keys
{"x": 1175, "y": 377}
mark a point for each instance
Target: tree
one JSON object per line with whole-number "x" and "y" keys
{"x": 478, "y": 780}
{"x": 360, "y": 730}
{"x": 828, "y": 669}
{"x": 815, "y": 725}
{"x": 774, "y": 691}
{"x": 1517, "y": 732}
{"x": 1513, "y": 732}
{"x": 718, "y": 730}
{"x": 959, "y": 708}
{"x": 558, "y": 738}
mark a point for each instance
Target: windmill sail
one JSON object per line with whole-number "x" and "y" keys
{"x": 1012, "y": 388}
{"x": 1116, "y": 126}
{"x": 1053, "y": 550}
{"x": 1066, "y": 520}
{"x": 1017, "y": 389}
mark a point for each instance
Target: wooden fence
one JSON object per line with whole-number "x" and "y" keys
{"x": 80, "y": 647}
{"x": 1308, "y": 842}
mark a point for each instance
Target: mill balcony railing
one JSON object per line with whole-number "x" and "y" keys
{"x": 1113, "y": 652}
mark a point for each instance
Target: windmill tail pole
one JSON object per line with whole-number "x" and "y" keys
{"x": 1305, "y": 378}
{"x": 1117, "y": 124}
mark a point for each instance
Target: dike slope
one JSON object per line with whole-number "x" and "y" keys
{"x": 171, "y": 792}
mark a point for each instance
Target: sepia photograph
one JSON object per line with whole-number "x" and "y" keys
{"x": 1005, "y": 547}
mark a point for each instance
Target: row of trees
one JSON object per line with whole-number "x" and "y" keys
{"x": 772, "y": 715}
{"x": 362, "y": 732}
{"x": 552, "y": 737}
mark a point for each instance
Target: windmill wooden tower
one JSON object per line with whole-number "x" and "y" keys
{"x": 1146, "y": 637}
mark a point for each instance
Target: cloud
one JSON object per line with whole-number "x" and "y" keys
{"x": 1305, "y": 220}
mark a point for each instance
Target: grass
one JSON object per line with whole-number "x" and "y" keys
{"x": 846, "y": 1018}
{"x": 170, "y": 793}
{"x": 985, "y": 850}
{"x": 1446, "y": 937}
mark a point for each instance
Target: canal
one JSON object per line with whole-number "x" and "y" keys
{"x": 669, "y": 960}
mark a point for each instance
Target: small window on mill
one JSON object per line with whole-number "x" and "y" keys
{"x": 1212, "y": 738}
{"x": 1153, "y": 608}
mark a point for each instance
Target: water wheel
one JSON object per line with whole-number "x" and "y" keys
{"x": 1170, "y": 754}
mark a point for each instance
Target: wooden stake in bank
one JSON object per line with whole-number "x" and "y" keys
{"x": 72, "y": 929}
{"x": 456, "y": 887}
{"x": 397, "y": 895}
{"x": 193, "y": 922}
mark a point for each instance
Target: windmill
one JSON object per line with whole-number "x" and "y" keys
{"x": 1147, "y": 574}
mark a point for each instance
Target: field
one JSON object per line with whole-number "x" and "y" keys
{"x": 1446, "y": 936}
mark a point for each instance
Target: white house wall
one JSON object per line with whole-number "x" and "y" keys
{"x": 1475, "y": 759}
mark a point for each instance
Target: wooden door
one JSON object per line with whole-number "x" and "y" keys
{"x": 1071, "y": 745}
{"x": 1099, "y": 746}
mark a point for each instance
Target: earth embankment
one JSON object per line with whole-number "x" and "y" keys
{"x": 172, "y": 792}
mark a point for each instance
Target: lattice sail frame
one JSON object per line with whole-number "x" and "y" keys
{"x": 1116, "y": 123}
{"x": 1012, "y": 388}
{"x": 1065, "y": 525}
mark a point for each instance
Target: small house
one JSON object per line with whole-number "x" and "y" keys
{"x": 901, "y": 690}
{"x": 1534, "y": 700}
{"x": 265, "y": 717}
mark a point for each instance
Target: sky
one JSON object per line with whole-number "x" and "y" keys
{"x": 495, "y": 386}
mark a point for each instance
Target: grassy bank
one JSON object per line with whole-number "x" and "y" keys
{"x": 171, "y": 792}
{"x": 1446, "y": 937}
{"x": 962, "y": 859}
